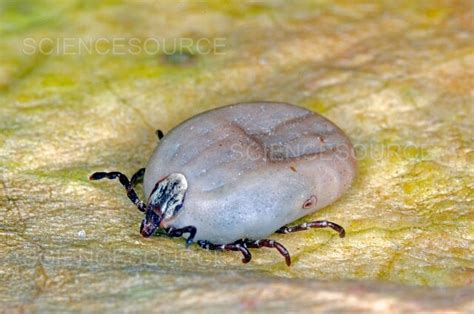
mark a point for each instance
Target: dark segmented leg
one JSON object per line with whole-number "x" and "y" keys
{"x": 270, "y": 244}
{"x": 137, "y": 178}
{"x": 173, "y": 232}
{"x": 132, "y": 195}
{"x": 159, "y": 134}
{"x": 236, "y": 246}
{"x": 313, "y": 224}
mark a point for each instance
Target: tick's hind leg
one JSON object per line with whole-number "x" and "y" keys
{"x": 313, "y": 224}
{"x": 128, "y": 185}
{"x": 236, "y": 246}
{"x": 244, "y": 244}
{"x": 270, "y": 244}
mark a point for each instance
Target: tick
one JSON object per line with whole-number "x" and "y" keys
{"x": 230, "y": 177}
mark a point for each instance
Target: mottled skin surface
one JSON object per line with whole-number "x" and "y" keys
{"x": 252, "y": 168}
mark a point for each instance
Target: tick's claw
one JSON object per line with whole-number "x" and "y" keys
{"x": 246, "y": 259}
{"x": 97, "y": 176}
{"x": 342, "y": 233}
{"x": 189, "y": 242}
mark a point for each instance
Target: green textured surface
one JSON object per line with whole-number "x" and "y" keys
{"x": 397, "y": 77}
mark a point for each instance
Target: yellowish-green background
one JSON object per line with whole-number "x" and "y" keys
{"x": 396, "y": 76}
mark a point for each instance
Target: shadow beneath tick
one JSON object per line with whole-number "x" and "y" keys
{"x": 180, "y": 58}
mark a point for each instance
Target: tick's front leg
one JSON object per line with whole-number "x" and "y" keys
{"x": 236, "y": 246}
{"x": 137, "y": 178}
{"x": 178, "y": 232}
{"x": 159, "y": 134}
{"x": 128, "y": 185}
{"x": 313, "y": 224}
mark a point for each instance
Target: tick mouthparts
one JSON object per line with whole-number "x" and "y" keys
{"x": 144, "y": 233}
{"x": 146, "y": 230}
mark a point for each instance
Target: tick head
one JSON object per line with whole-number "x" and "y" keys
{"x": 150, "y": 223}
{"x": 164, "y": 202}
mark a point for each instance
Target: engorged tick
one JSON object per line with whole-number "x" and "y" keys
{"x": 227, "y": 177}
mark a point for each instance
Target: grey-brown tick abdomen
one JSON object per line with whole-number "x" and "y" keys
{"x": 252, "y": 168}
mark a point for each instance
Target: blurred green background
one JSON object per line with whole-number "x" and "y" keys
{"x": 84, "y": 84}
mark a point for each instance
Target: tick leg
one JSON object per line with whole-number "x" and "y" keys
{"x": 132, "y": 195}
{"x": 313, "y": 224}
{"x": 159, "y": 134}
{"x": 270, "y": 244}
{"x": 137, "y": 178}
{"x": 236, "y": 246}
{"x": 173, "y": 232}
